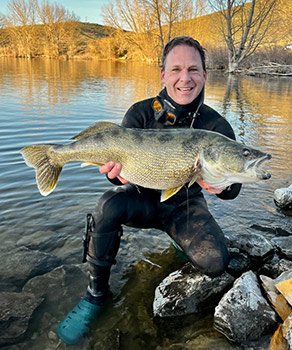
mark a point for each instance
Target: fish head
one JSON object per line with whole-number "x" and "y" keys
{"x": 231, "y": 162}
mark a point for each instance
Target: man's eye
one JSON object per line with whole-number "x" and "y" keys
{"x": 193, "y": 70}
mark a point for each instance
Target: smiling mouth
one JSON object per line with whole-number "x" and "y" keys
{"x": 186, "y": 89}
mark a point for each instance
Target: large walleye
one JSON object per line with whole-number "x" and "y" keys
{"x": 159, "y": 159}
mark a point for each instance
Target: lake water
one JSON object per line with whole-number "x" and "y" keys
{"x": 48, "y": 101}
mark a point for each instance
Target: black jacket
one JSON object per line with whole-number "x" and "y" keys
{"x": 142, "y": 115}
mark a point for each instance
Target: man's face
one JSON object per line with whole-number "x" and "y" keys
{"x": 183, "y": 76}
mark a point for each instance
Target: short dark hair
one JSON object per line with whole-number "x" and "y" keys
{"x": 183, "y": 40}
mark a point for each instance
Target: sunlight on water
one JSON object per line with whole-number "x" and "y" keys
{"x": 47, "y": 101}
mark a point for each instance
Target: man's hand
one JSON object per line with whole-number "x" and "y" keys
{"x": 113, "y": 170}
{"x": 208, "y": 188}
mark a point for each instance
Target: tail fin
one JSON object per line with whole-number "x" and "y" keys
{"x": 47, "y": 174}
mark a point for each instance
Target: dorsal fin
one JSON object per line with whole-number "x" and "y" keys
{"x": 99, "y": 126}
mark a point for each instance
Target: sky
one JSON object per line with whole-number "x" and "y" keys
{"x": 86, "y": 10}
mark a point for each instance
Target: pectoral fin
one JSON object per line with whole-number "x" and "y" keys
{"x": 165, "y": 194}
{"x": 197, "y": 167}
{"x": 193, "y": 180}
{"x": 86, "y": 164}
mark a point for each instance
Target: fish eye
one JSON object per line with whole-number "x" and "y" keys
{"x": 246, "y": 152}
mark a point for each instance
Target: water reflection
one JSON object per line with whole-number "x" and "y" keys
{"x": 44, "y": 101}
{"x": 57, "y": 81}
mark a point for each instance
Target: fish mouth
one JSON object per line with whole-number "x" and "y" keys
{"x": 255, "y": 165}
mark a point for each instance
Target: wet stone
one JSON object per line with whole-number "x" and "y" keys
{"x": 284, "y": 246}
{"x": 54, "y": 286}
{"x": 275, "y": 267}
{"x": 283, "y": 197}
{"x": 25, "y": 264}
{"x": 239, "y": 262}
{"x": 253, "y": 244}
{"x": 15, "y": 313}
{"x": 188, "y": 291}
{"x": 243, "y": 314}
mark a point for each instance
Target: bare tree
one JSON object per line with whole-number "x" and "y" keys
{"x": 20, "y": 25}
{"x": 59, "y": 28}
{"x": 244, "y": 26}
{"x": 135, "y": 22}
{"x": 150, "y": 23}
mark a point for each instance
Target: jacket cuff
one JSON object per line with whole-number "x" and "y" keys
{"x": 230, "y": 192}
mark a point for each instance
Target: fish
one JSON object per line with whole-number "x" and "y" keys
{"x": 161, "y": 159}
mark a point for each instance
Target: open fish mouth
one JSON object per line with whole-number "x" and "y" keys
{"x": 255, "y": 165}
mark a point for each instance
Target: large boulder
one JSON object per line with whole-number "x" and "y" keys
{"x": 243, "y": 314}
{"x": 188, "y": 291}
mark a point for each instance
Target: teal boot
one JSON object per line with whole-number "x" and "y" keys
{"x": 76, "y": 324}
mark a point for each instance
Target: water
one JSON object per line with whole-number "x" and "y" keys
{"x": 47, "y": 101}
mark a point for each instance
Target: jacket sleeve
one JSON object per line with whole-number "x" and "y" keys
{"x": 230, "y": 192}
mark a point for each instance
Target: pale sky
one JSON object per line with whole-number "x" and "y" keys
{"x": 86, "y": 10}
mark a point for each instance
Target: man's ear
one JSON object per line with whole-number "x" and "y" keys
{"x": 205, "y": 74}
{"x": 162, "y": 75}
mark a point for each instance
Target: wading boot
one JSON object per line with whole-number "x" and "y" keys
{"x": 78, "y": 321}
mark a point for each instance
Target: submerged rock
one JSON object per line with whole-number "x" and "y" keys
{"x": 15, "y": 312}
{"x": 188, "y": 291}
{"x": 243, "y": 314}
{"x": 54, "y": 287}
{"x": 21, "y": 264}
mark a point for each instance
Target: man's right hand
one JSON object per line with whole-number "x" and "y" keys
{"x": 113, "y": 170}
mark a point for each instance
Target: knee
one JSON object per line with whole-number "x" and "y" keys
{"x": 111, "y": 205}
{"x": 212, "y": 262}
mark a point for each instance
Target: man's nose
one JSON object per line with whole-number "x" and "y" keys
{"x": 185, "y": 75}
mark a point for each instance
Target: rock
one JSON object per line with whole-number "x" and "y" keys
{"x": 239, "y": 262}
{"x": 15, "y": 312}
{"x": 287, "y": 332}
{"x": 283, "y": 197}
{"x": 278, "y": 342}
{"x": 275, "y": 267}
{"x": 243, "y": 314}
{"x": 277, "y": 300}
{"x": 289, "y": 338}
{"x": 58, "y": 289}
{"x": 255, "y": 245}
{"x": 21, "y": 264}
{"x": 285, "y": 288}
{"x": 282, "y": 338}
{"x": 188, "y": 291}
{"x": 284, "y": 245}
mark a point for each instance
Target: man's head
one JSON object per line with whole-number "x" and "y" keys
{"x": 183, "y": 69}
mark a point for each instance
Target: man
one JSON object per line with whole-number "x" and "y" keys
{"x": 184, "y": 216}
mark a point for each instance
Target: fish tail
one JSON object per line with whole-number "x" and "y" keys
{"x": 47, "y": 173}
